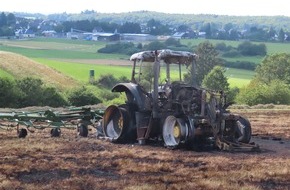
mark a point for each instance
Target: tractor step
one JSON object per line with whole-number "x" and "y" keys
{"x": 141, "y": 135}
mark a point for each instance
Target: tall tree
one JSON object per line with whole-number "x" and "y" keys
{"x": 216, "y": 79}
{"x": 207, "y": 30}
{"x": 207, "y": 59}
{"x": 281, "y": 35}
{"x": 271, "y": 33}
{"x": 11, "y": 19}
{"x": 130, "y": 27}
{"x": 3, "y": 19}
{"x": 274, "y": 67}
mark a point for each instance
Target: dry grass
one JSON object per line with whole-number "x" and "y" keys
{"x": 21, "y": 66}
{"x": 70, "y": 162}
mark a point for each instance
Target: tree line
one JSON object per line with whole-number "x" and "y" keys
{"x": 244, "y": 49}
{"x": 154, "y": 25}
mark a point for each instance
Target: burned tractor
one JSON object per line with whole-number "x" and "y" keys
{"x": 171, "y": 111}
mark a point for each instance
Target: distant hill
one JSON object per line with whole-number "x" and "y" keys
{"x": 20, "y": 66}
{"x": 195, "y": 20}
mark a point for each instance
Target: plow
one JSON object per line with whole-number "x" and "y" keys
{"x": 160, "y": 107}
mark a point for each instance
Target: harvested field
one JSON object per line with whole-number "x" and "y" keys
{"x": 21, "y": 66}
{"x": 71, "y": 162}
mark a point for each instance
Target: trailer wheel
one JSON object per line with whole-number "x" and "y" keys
{"x": 83, "y": 130}
{"x": 22, "y": 133}
{"x": 55, "y": 132}
{"x": 244, "y": 131}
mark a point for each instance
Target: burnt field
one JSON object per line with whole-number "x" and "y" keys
{"x": 72, "y": 162}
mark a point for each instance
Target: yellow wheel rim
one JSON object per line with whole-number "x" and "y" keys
{"x": 120, "y": 123}
{"x": 176, "y": 131}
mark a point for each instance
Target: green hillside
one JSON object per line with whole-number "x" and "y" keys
{"x": 71, "y": 57}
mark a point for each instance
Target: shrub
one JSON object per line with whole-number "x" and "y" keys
{"x": 9, "y": 93}
{"x": 107, "y": 95}
{"x": 249, "y": 49}
{"x": 32, "y": 91}
{"x": 172, "y": 42}
{"x": 51, "y": 97}
{"x": 122, "y": 48}
{"x": 241, "y": 65}
{"x": 223, "y": 47}
{"x": 231, "y": 53}
{"x": 82, "y": 96}
{"x": 155, "y": 45}
{"x": 276, "y": 92}
{"x": 106, "y": 81}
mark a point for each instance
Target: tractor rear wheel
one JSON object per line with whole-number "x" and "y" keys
{"x": 117, "y": 124}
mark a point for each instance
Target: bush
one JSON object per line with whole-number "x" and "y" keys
{"x": 276, "y": 92}
{"x": 109, "y": 81}
{"x": 9, "y": 93}
{"x": 172, "y": 42}
{"x": 122, "y": 48}
{"x": 247, "y": 65}
{"x": 155, "y": 45}
{"x": 232, "y": 53}
{"x": 107, "y": 95}
{"x": 32, "y": 91}
{"x": 223, "y": 47}
{"x": 29, "y": 92}
{"x": 232, "y": 94}
{"x": 82, "y": 96}
{"x": 51, "y": 97}
{"x": 106, "y": 81}
{"x": 249, "y": 49}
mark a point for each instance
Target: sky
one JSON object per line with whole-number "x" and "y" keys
{"x": 218, "y": 7}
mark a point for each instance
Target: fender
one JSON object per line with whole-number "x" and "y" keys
{"x": 133, "y": 92}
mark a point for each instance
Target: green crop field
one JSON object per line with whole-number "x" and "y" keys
{"x": 254, "y": 59}
{"x": 239, "y": 77}
{"x": 60, "y": 53}
{"x": 80, "y": 71}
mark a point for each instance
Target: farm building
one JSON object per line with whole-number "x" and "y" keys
{"x": 179, "y": 35}
{"x": 137, "y": 37}
{"x": 24, "y": 33}
{"x": 49, "y": 33}
{"x": 102, "y": 36}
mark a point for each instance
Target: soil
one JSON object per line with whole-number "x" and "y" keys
{"x": 71, "y": 162}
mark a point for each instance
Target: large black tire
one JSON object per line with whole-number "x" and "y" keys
{"x": 244, "y": 130}
{"x": 22, "y": 133}
{"x": 55, "y": 132}
{"x": 118, "y": 124}
{"x": 83, "y": 130}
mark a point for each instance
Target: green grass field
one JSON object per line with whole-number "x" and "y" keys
{"x": 80, "y": 71}
{"x": 62, "y": 53}
{"x": 50, "y": 51}
{"x": 4, "y": 74}
{"x": 239, "y": 77}
{"x": 254, "y": 59}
